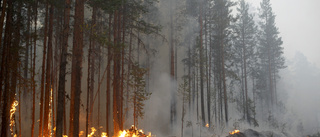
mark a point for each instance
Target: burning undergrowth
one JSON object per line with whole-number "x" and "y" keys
{"x": 132, "y": 132}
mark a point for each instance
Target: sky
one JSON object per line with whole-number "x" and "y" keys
{"x": 299, "y": 26}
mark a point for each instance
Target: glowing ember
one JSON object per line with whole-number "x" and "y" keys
{"x": 234, "y": 132}
{"x": 104, "y": 134}
{"x": 92, "y": 132}
{"x": 12, "y": 111}
{"x": 207, "y": 125}
{"x": 122, "y": 133}
{"x": 81, "y": 133}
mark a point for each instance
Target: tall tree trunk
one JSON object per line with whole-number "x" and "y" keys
{"x": 172, "y": 74}
{"x": 224, "y": 84}
{"x": 76, "y": 68}
{"x": 43, "y": 71}
{"x": 90, "y": 75}
{"x": 209, "y": 84}
{"x": 128, "y": 76}
{"x": 108, "y": 78}
{"x": 26, "y": 60}
{"x": 116, "y": 77}
{"x": 34, "y": 68}
{"x": 245, "y": 78}
{"x": 48, "y": 86}
{"x": 201, "y": 69}
{"x": 15, "y": 61}
{"x": 270, "y": 77}
{"x": 5, "y": 60}
{"x": 3, "y": 14}
{"x": 62, "y": 74}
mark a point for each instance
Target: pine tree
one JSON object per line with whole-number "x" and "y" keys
{"x": 245, "y": 29}
{"x": 270, "y": 53}
{"x": 222, "y": 19}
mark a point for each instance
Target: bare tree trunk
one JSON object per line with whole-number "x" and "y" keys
{"x": 34, "y": 68}
{"x": 224, "y": 85}
{"x": 201, "y": 69}
{"x": 62, "y": 74}
{"x": 108, "y": 78}
{"x": 90, "y": 76}
{"x": 76, "y": 68}
{"x": 6, "y": 59}
{"x": 48, "y": 86}
{"x": 43, "y": 71}
{"x": 245, "y": 79}
{"x": 270, "y": 77}
{"x": 129, "y": 70}
{"x": 3, "y": 14}
{"x": 172, "y": 74}
{"x": 116, "y": 77}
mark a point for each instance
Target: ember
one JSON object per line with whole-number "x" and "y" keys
{"x": 234, "y": 132}
{"x": 12, "y": 111}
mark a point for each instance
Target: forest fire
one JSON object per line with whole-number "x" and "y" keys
{"x": 234, "y": 132}
{"x": 12, "y": 111}
{"x": 92, "y": 132}
{"x": 132, "y": 132}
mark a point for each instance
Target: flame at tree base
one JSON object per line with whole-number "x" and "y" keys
{"x": 132, "y": 132}
{"x": 12, "y": 111}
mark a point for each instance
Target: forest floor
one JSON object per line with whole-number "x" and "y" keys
{"x": 253, "y": 133}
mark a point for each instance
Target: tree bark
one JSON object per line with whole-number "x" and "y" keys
{"x": 108, "y": 78}
{"x": 43, "y": 71}
{"x": 116, "y": 77}
{"x": 34, "y": 68}
{"x": 6, "y": 59}
{"x": 48, "y": 86}
{"x": 201, "y": 69}
{"x": 77, "y": 54}
{"x": 3, "y": 14}
{"x": 62, "y": 74}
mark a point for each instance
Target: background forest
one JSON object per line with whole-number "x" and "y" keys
{"x": 171, "y": 67}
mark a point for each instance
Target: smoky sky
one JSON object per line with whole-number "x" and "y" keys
{"x": 298, "y": 22}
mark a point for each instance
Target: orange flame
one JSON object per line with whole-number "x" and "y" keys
{"x": 104, "y": 134}
{"x": 133, "y": 132}
{"x": 122, "y": 133}
{"x": 50, "y": 112}
{"x": 207, "y": 125}
{"x": 234, "y": 132}
{"x": 92, "y": 132}
{"x": 12, "y": 111}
